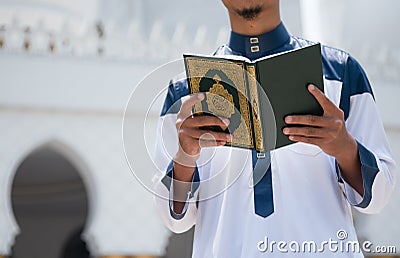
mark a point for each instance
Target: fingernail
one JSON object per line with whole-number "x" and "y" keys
{"x": 226, "y": 121}
{"x": 229, "y": 137}
{"x": 288, "y": 119}
{"x": 200, "y": 96}
{"x": 285, "y": 130}
{"x": 291, "y": 138}
{"x": 311, "y": 87}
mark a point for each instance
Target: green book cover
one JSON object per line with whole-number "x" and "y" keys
{"x": 256, "y": 96}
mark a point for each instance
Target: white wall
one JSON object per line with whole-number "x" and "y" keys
{"x": 79, "y": 104}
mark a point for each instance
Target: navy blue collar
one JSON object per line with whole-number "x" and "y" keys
{"x": 255, "y": 47}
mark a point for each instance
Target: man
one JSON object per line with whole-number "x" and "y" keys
{"x": 339, "y": 160}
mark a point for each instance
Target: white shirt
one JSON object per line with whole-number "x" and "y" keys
{"x": 312, "y": 203}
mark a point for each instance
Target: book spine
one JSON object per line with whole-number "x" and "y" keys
{"x": 255, "y": 108}
{"x": 193, "y": 85}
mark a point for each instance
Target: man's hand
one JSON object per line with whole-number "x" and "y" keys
{"x": 328, "y": 131}
{"x": 330, "y": 134}
{"x": 191, "y": 139}
{"x": 191, "y": 135}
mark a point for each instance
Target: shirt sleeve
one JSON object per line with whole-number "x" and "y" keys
{"x": 364, "y": 123}
{"x": 169, "y": 181}
{"x": 166, "y": 147}
{"x": 369, "y": 170}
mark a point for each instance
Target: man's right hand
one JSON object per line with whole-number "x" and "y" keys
{"x": 191, "y": 133}
{"x": 192, "y": 137}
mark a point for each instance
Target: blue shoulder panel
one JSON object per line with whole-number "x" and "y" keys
{"x": 340, "y": 66}
{"x": 355, "y": 82}
{"x": 176, "y": 90}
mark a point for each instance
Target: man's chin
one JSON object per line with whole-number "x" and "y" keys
{"x": 250, "y": 13}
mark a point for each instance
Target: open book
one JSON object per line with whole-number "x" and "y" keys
{"x": 257, "y": 95}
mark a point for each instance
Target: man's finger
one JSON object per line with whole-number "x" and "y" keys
{"x": 310, "y": 120}
{"x": 306, "y": 131}
{"x": 310, "y": 140}
{"x": 187, "y": 104}
{"x": 206, "y": 135}
{"x": 199, "y": 121}
{"x": 204, "y": 143}
{"x": 322, "y": 99}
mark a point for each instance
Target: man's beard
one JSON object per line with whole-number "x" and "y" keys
{"x": 250, "y": 13}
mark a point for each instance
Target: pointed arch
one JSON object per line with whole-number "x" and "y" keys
{"x": 71, "y": 155}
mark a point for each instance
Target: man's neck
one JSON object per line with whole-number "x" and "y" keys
{"x": 266, "y": 21}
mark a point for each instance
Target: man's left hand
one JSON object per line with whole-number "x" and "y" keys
{"x": 327, "y": 131}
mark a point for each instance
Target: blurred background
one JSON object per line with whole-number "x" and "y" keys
{"x": 67, "y": 69}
